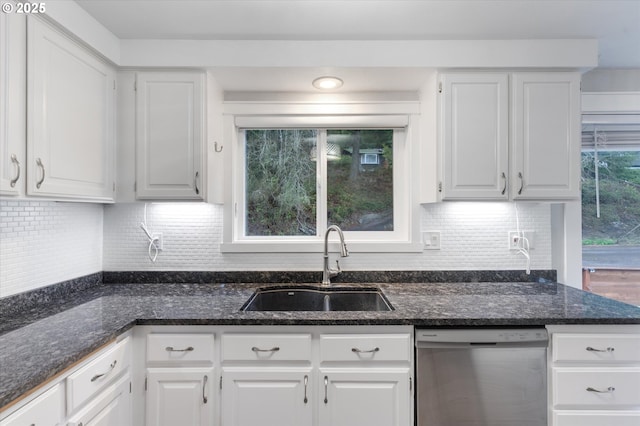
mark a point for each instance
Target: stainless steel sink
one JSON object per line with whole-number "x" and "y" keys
{"x": 317, "y": 299}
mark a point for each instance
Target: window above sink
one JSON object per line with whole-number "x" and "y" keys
{"x": 294, "y": 175}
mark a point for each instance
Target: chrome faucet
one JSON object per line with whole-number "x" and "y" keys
{"x": 327, "y": 272}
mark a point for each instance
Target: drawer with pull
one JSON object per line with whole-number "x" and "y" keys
{"x": 597, "y": 348}
{"x": 358, "y": 347}
{"x": 97, "y": 374}
{"x": 596, "y": 387}
{"x": 266, "y": 347}
{"x": 180, "y": 347}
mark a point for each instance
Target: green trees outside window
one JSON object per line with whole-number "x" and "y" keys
{"x": 282, "y": 176}
{"x": 619, "y": 189}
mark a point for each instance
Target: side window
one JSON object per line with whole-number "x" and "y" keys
{"x": 611, "y": 210}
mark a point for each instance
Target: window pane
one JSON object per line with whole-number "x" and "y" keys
{"x": 619, "y": 199}
{"x": 280, "y": 182}
{"x": 360, "y": 179}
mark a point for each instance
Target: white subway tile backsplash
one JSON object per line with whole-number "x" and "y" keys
{"x": 44, "y": 242}
{"x": 473, "y": 236}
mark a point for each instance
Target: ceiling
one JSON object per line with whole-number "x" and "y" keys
{"x": 614, "y": 23}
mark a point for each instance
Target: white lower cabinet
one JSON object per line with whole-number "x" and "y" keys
{"x": 180, "y": 376}
{"x": 97, "y": 392}
{"x": 594, "y": 375}
{"x": 365, "y": 397}
{"x": 272, "y": 373}
{"x": 275, "y": 375}
{"x": 267, "y": 397}
{"x": 111, "y": 408}
{"x": 45, "y": 410}
{"x": 180, "y": 396}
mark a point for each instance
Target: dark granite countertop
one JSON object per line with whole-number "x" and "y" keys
{"x": 37, "y": 344}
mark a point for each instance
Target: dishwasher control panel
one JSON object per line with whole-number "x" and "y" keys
{"x": 498, "y": 336}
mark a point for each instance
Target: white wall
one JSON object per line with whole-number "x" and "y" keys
{"x": 611, "y": 80}
{"x": 473, "y": 237}
{"x": 42, "y": 243}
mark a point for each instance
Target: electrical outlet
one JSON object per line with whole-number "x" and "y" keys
{"x": 157, "y": 236}
{"x": 515, "y": 242}
{"x": 431, "y": 240}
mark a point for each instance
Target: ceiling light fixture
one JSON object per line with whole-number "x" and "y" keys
{"x": 327, "y": 83}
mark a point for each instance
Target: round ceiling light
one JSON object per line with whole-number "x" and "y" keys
{"x": 327, "y": 83}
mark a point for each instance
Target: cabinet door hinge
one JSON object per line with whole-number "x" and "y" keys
{"x": 145, "y": 384}
{"x": 440, "y": 87}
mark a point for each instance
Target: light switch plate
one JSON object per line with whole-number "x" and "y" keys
{"x": 431, "y": 240}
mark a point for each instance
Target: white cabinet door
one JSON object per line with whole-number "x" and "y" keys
{"x": 179, "y": 396}
{"x": 111, "y": 408}
{"x": 545, "y": 136}
{"x": 474, "y": 125}
{"x": 169, "y": 135}
{"x": 13, "y": 98}
{"x": 364, "y": 397}
{"x": 267, "y": 397}
{"x": 70, "y": 110}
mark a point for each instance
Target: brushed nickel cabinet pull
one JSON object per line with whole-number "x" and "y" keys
{"x": 504, "y": 188}
{"x": 195, "y": 183}
{"x": 359, "y": 351}
{"x": 15, "y": 161}
{"x": 610, "y": 389}
{"x": 609, "y": 349}
{"x": 111, "y": 367}
{"x": 521, "y": 183}
{"x": 39, "y": 163}
{"x": 274, "y": 349}
{"x": 171, "y": 349}
{"x": 306, "y": 382}
{"x": 204, "y": 389}
{"x": 326, "y": 385}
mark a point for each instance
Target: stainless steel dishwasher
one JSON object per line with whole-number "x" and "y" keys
{"x": 481, "y": 377}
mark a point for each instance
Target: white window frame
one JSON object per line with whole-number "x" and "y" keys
{"x": 406, "y": 234}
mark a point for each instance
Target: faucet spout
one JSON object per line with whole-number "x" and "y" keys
{"x": 327, "y": 271}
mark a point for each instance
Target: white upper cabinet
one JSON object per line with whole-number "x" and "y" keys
{"x": 510, "y": 136}
{"x": 70, "y": 117}
{"x": 546, "y": 136}
{"x": 474, "y": 131}
{"x": 170, "y": 135}
{"x": 13, "y": 86}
